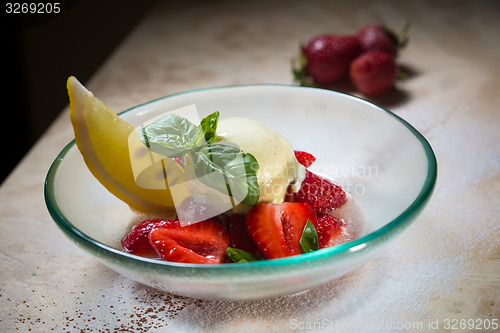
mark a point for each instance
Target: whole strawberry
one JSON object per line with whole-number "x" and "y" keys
{"x": 327, "y": 57}
{"x": 376, "y": 37}
{"x": 373, "y": 73}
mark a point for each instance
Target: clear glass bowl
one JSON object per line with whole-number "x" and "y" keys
{"x": 387, "y": 166}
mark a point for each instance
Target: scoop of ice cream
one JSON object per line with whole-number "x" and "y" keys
{"x": 278, "y": 167}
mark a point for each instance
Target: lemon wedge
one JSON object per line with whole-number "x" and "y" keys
{"x": 113, "y": 152}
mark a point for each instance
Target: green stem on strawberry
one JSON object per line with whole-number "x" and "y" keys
{"x": 299, "y": 72}
{"x": 400, "y": 39}
{"x": 403, "y": 35}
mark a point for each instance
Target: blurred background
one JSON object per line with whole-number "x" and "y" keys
{"x": 41, "y": 50}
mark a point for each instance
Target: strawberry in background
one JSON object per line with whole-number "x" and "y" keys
{"x": 373, "y": 73}
{"x": 377, "y": 37}
{"x": 328, "y": 57}
{"x": 367, "y": 58}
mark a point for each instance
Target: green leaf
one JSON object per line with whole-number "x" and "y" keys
{"x": 221, "y": 166}
{"x": 309, "y": 239}
{"x": 172, "y": 136}
{"x": 227, "y": 169}
{"x": 209, "y": 126}
{"x": 238, "y": 255}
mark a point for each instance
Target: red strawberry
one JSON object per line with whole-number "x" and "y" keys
{"x": 276, "y": 229}
{"x": 328, "y": 57}
{"x": 304, "y": 158}
{"x": 137, "y": 242}
{"x": 376, "y": 37}
{"x": 373, "y": 73}
{"x": 329, "y": 230}
{"x": 320, "y": 194}
{"x": 203, "y": 242}
{"x": 240, "y": 239}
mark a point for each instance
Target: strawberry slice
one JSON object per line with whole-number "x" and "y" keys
{"x": 276, "y": 229}
{"x": 240, "y": 239}
{"x": 320, "y": 194}
{"x": 329, "y": 230}
{"x": 203, "y": 242}
{"x": 304, "y": 158}
{"x": 137, "y": 241}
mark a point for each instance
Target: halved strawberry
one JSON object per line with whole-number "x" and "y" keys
{"x": 320, "y": 194}
{"x": 304, "y": 158}
{"x": 137, "y": 242}
{"x": 329, "y": 230}
{"x": 276, "y": 229}
{"x": 240, "y": 239}
{"x": 203, "y": 242}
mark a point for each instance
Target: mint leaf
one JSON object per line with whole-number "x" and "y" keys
{"x": 209, "y": 126}
{"x": 238, "y": 255}
{"x": 309, "y": 239}
{"x": 172, "y": 136}
{"x": 227, "y": 169}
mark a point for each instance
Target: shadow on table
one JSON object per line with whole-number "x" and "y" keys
{"x": 392, "y": 98}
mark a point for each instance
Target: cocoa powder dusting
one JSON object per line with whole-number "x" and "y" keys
{"x": 139, "y": 309}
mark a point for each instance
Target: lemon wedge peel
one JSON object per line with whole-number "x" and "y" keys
{"x": 114, "y": 154}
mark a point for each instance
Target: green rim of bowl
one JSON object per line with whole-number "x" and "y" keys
{"x": 364, "y": 243}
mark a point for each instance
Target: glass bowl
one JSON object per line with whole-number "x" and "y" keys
{"x": 383, "y": 162}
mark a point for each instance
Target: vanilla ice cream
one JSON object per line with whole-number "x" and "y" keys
{"x": 278, "y": 167}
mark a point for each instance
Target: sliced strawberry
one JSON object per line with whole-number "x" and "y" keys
{"x": 276, "y": 229}
{"x": 304, "y": 158}
{"x": 137, "y": 242}
{"x": 240, "y": 239}
{"x": 320, "y": 194}
{"x": 203, "y": 242}
{"x": 329, "y": 230}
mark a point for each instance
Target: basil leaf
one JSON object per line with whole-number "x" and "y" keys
{"x": 172, "y": 136}
{"x": 227, "y": 169}
{"x": 309, "y": 239}
{"x": 238, "y": 255}
{"x": 209, "y": 126}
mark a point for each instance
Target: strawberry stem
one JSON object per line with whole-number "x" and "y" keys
{"x": 403, "y": 35}
{"x": 299, "y": 63}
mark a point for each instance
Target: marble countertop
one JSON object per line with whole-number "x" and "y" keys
{"x": 445, "y": 267}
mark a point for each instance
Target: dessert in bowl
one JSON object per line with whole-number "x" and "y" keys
{"x": 387, "y": 168}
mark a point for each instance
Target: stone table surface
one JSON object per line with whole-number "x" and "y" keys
{"x": 445, "y": 267}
